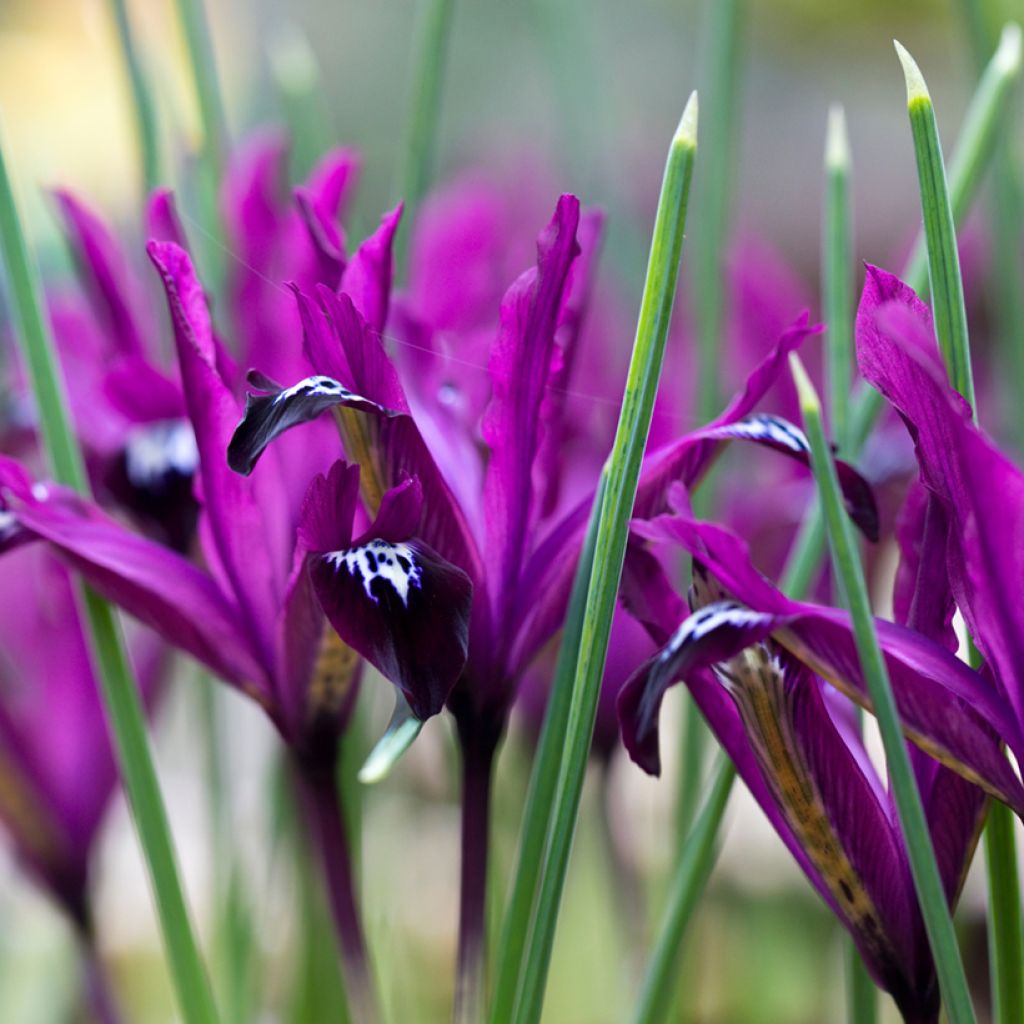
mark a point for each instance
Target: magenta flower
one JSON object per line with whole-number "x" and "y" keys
{"x": 59, "y": 770}
{"x": 971, "y": 496}
{"x": 768, "y": 674}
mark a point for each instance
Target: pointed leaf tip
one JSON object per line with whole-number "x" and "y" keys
{"x": 686, "y": 133}
{"x": 806, "y": 394}
{"x": 837, "y": 140}
{"x": 292, "y": 61}
{"x": 402, "y": 730}
{"x": 1008, "y": 54}
{"x": 917, "y": 89}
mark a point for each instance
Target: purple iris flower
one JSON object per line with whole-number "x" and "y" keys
{"x": 521, "y": 565}
{"x": 252, "y": 615}
{"x": 970, "y": 493}
{"x": 772, "y": 677}
{"x": 128, "y": 410}
{"x": 57, "y": 768}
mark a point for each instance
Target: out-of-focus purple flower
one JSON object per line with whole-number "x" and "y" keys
{"x": 56, "y": 762}
{"x": 769, "y": 675}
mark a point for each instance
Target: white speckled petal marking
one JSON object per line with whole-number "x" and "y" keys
{"x": 379, "y": 559}
{"x": 311, "y": 387}
{"x": 772, "y": 429}
{"x": 706, "y": 621}
{"x": 8, "y": 524}
{"x": 156, "y": 449}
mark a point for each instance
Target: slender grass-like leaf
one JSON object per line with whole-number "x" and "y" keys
{"x": 142, "y": 99}
{"x": 118, "y": 690}
{"x": 837, "y": 275}
{"x": 979, "y": 138}
{"x": 985, "y": 117}
{"x": 714, "y": 185}
{"x": 192, "y": 14}
{"x": 947, "y": 289}
{"x": 837, "y": 303}
{"x": 620, "y": 476}
{"x": 298, "y": 82}
{"x": 540, "y": 796}
{"x": 715, "y": 188}
{"x": 430, "y": 53}
{"x": 1005, "y": 942}
{"x": 920, "y": 852}
{"x": 688, "y": 883}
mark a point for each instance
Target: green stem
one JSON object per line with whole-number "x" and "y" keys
{"x": 417, "y": 161}
{"x": 621, "y": 474}
{"x": 145, "y": 113}
{"x": 837, "y": 276}
{"x": 861, "y": 992}
{"x": 120, "y": 694}
{"x": 541, "y": 793}
{"x": 192, "y": 14}
{"x": 688, "y": 884}
{"x": 717, "y": 166}
{"x": 691, "y": 769}
{"x": 914, "y": 825}
{"x": 1006, "y": 941}
{"x": 299, "y": 87}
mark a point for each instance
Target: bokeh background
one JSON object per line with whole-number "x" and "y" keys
{"x": 540, "y": 97}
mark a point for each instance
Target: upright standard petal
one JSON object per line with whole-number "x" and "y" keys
{"x": 520, "y": 366}
{"x": 248, "y": 522}
{"x": 104, "y": 272}
{"x": 978, "y": 489}
{"x": 367, "y": 278}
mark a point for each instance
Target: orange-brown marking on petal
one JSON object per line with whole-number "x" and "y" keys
{"x": 332, "y": 677}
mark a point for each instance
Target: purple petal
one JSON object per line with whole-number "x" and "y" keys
{"x": 785, "y": 437}
{"x": 247, "y": 520}
{"x": 157, "y": 586}
{"x": 162, "y": 221}
{"x": 946, "y": 708}
{"x": 329, "y": 509}
{"x": 922, "y": 598}
{"x": 104, "y": 273}
{"x": 403, "y": 608}
{"x": 367, "y": 278}
{"x": 980, "y": 490}
{"x": 688, "y": 458}
{"x": 521, "y": 362}
{"x": 555, "y": 411}
{"x": 320, "y": 202}
{"x": 269, "y": 415}
{"x": 338, "y": 340}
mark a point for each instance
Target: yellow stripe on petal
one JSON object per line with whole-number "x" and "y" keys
{"x": 333, "y": 675}
{"x": 754, "y": 680}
